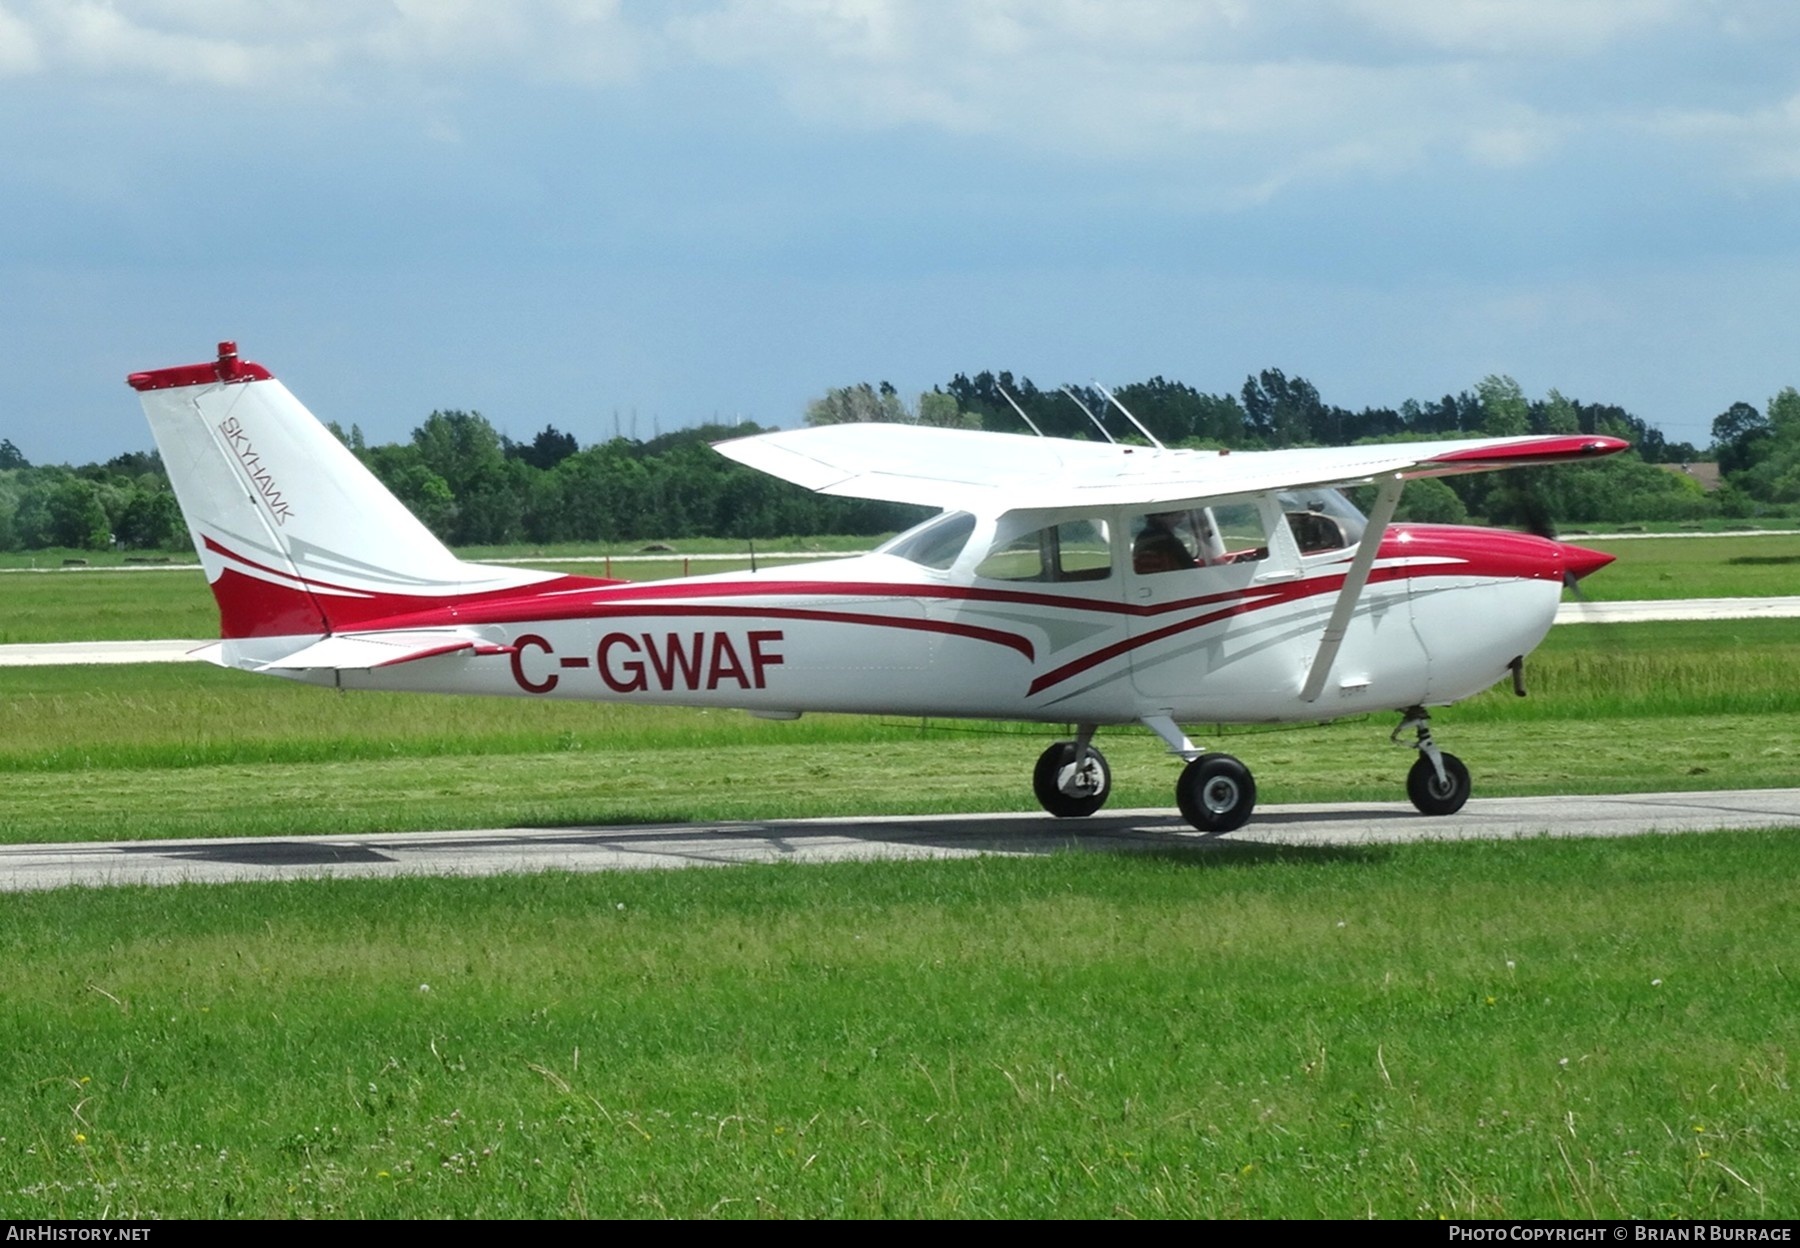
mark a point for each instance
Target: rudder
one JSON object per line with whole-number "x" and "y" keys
{"x": 297, "y": 537}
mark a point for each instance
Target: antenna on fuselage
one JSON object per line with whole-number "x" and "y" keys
{"x": 1114, "y": 400}
{"x": 1021, "y": 411}
{"x": 1090, "y": 415}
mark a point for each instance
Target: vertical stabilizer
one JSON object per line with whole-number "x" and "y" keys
{"x": 297, "y": 537}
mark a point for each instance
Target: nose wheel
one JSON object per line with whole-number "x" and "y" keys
{"x": 1434, "y": 795}
{"x": 1438, "y": 783}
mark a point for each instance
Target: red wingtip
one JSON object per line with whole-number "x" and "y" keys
{"x": 1554, "y": 448}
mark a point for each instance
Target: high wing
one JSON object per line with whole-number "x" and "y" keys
{"x": 992, "y": 472}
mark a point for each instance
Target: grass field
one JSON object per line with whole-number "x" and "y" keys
{"x": 165, "y": 751}
{"x": 1695, "y": 567}
{"x": 1520, "y": 1030}
{"x": 1532, "y": 1029}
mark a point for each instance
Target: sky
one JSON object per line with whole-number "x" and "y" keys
{"x": 625, "y": 216}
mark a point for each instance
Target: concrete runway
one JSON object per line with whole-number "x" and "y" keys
{"x": 1679, "y": 609}
{"x": 491, "y": 852}
{"x": 70, "y": 653}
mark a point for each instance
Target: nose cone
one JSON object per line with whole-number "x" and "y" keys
{"x": 1578, "y": 561}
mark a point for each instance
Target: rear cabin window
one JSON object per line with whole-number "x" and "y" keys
{"x": 936, "y": 543}
{"x": 1075, "y": 550}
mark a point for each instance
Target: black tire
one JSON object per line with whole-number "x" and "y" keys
{"x": 1433, "y": 797}
{"x": 1090, "y": 794}
{"x": 1216, "y": 793}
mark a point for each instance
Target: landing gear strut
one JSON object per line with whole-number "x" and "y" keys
{"x": 1438, "y": 783}
{"x": 1071, "y": 778}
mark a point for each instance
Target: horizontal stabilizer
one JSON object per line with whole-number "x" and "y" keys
{"x": 357, "y": 652}
{"x": 211, "y": 652}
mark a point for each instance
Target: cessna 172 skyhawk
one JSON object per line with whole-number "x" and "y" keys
{"x": 1063, "y": 582}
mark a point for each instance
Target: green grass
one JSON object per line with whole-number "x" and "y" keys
{"x": 1517, "y": 1030}
{"x": 1695, "y": 567}
{"x": 57, "y": 557}
{"x": 105, "y": 606}
{"x": 1674, "y": 667}
{"x": 149, "y": 751}
{"x": 1514, "y": 1030}
{"x": 1774, "y": 520}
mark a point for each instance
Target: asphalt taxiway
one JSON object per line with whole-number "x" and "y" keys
{"x": 494, "y": 851}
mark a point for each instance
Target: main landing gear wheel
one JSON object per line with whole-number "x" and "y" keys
{"x": 1215, "y": 793}
{"x": 1069, "y": 790}
{"x": 1438, "y": 797}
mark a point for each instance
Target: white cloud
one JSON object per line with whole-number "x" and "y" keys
{"x": 1511, "y": 146}
{"x": 1272, "y": 94}
{"x": 18, "y": 45}
{"x": 1555, "y": 28}
{"x": 1761, "y": 143}
{"x": 289, "y": 46}
{"x": 1258, "y": 96}
{"x": 100, "y": 40}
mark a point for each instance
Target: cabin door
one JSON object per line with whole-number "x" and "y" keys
{"x": 1205, "y": 587}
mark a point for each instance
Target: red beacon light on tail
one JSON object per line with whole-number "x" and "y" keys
{"x": 227, "y": 369}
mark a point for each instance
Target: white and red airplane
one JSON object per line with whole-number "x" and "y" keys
{"x": 1063, "y": 582}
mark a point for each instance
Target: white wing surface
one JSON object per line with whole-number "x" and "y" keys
{"x": 991, "y": 472}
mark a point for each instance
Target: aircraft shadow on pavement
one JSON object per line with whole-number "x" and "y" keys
{"x": 745, "y": 841}
{"x": 1162, "y": 835}
{"x": 267, "y": 853}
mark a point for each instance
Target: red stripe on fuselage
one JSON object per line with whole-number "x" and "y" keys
{"x": 252, "y": 606}
{"x": 1473, "y": 552}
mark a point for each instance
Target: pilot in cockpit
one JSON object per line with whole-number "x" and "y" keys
{"x": 1157, "y": 548}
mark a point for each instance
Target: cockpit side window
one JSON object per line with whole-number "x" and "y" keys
{"x": 1074, "y": 550}
{"x": 1198, "y": 537}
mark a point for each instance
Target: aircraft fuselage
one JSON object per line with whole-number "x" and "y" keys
{"x": 1446, "y": 611}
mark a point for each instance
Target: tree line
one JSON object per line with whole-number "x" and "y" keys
{"x": 475, "y": 486}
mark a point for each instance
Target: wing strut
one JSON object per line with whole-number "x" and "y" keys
{"x": 1379, "y": 516}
